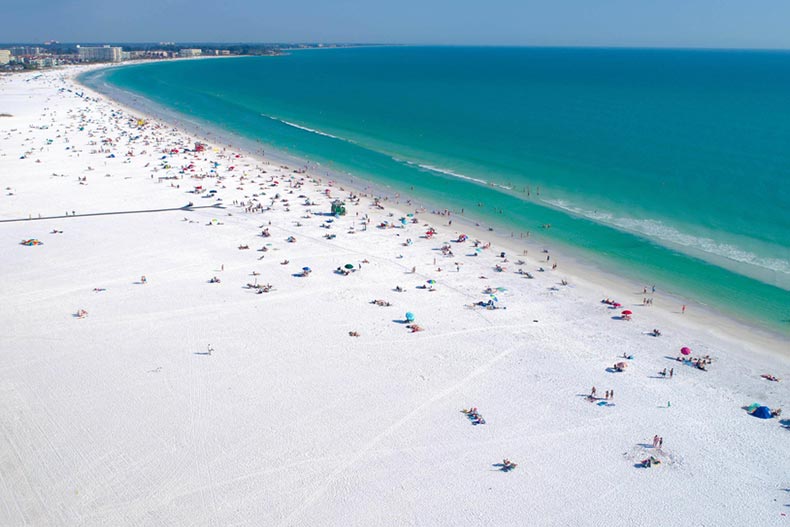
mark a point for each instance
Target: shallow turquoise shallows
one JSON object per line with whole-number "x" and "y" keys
{"x": 670, "y": 166}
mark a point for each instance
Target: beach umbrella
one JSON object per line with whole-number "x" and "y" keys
{"x": 685, "y": 350}
{"x": 432, "y": 281}
{"x": 306, "y": 269}
{"x": 501, "y": 289}
{"x": 349, "y": 266}
{"x": 627, "y": 312}
{"x": 410, "y": 316}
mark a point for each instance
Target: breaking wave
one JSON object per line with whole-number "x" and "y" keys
{"x": 306, "y": 129}
{"x": 659, "y": 231}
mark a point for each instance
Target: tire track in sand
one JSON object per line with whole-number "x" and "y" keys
{"x": 362, "y": 452}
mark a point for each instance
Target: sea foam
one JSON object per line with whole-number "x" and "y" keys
{"x": 667, "y": 235}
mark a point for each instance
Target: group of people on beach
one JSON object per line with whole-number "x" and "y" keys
{"x": 608, "y": 394}
{"x": 474, "y": 416}
{"x": 700, "y": 363}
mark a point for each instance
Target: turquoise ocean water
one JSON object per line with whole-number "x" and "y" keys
{"x": 669, "y": 166}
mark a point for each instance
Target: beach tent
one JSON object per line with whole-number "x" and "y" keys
{"x": 763, "y": 412}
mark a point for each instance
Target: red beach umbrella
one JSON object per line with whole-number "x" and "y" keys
{"x": 685, "y": 350}
{"x": 627, "y": 312}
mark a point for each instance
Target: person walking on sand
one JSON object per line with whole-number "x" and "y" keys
{"x": 592, "y": 392}
{"x": 683, "y": 310}
{"x": 655, "y": 440}
{"x": 671, "y": 372}
{"x": 660, "y": 442}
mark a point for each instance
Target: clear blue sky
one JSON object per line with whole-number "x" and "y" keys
{"x": 663, "y": 23}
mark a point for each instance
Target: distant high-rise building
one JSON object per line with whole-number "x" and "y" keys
{"x": 22, "y": 51}
{"x": 189, "y": 52}
{"x": 100, "y": 54}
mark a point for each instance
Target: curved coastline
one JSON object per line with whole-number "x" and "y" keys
{"x": 576, "y": 261}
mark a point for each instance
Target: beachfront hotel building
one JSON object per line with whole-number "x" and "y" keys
{"x": 190, "y": 52}
{"x": 5, "y": 56}
{"x": 100, "y": 54}
{"x": 26, "y": 51}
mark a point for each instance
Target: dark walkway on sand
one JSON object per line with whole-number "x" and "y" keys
{"x": 187, "y": 207}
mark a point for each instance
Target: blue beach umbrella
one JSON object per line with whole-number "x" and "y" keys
{"x": 410, "y": 316}
{"x": 306, "y": 269}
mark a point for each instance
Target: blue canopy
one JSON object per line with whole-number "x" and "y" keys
{"x": 763, "y": 412}
{"x": 410, "y": 316}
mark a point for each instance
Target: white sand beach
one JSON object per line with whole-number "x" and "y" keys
{"x": 184, "y": 400}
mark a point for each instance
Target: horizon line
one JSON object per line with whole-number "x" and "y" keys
{"x": 404, "y": 44}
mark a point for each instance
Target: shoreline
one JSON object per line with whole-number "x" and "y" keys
{"x": 608, "y": 284}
